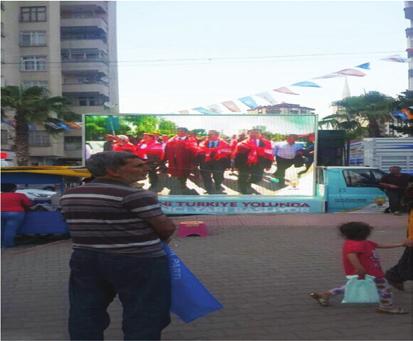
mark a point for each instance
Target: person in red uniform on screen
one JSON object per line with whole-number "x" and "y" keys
{"x": 180, "y": 153}
{"x": 251, "y": 157}
{"x": 122, "y": 144}
{"x": 151, "y": 150}
{"x": 214, "y": 157}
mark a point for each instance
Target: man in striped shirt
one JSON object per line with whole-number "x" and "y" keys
{"x": 117, "y": 231}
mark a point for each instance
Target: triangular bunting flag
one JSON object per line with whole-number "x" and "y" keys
{"x": 285, "y": 90}
{"x": 249, "y": 102}
{"x": 267, "y": 96}
{"x": 203, "y": 110}
{"x": 330, "y": 75}
{"x": 395, "y": 58}
{"x": 73, "y": 125}
{"x": 215, "y": 108}
{"x": 307, "y": 84}
{"x": 231, "y": 106}
{"x": 351, "y": 72}
{"x": 365, "y": 66}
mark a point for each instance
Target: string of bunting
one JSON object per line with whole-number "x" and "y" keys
{"x": 251, "y": 103}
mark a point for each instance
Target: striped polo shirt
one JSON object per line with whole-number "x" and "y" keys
{"x": 110, "y": 216}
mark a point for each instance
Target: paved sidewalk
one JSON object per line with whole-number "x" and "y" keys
{"x": 260, "y": 267}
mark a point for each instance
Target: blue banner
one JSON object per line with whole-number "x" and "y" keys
{"x": 184, "y": 204}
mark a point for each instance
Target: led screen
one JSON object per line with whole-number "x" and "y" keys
{"x": 213, "y": 154}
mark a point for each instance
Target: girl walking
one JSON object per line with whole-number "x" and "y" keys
{"x": 360, "y": 258}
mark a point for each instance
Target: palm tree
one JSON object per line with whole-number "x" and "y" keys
{"x": 31, "y": 105}
{"x": 360, "y": 116}
{"x": 371, "y": 110}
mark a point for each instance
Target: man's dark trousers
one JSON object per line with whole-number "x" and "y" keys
{"x": 282, "y": 166}
{"x": 143, "y": 286}
{"x": 214, "y": 169}
{"x": 395, "y": 198}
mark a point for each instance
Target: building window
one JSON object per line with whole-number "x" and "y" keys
{"x": 3, "y": 6}
{"x": 4, "y": 137}
{"x": 32, "y": 14}
{"x": 33, "y": 63}
{"x": 35, "y": 38}
{"x": 73, "y": 143}
{"x": 2, "y": 30}
{"x": 29, "y": 84}
{"x": 88, "y": 101}
{"x": 39, "y": 139}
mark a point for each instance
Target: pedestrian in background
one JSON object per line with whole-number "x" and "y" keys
{"x": 360, "y": 258}
{"x": 13, "y": 209}
{"x": 395, "y": 184}
{"x": 117, "y": 231}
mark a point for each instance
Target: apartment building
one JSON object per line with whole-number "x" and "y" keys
{"x": 408, "y": 13}
{"x": 69, "y": 47}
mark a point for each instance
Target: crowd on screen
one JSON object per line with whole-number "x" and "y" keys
{"x": 247, "y": 155}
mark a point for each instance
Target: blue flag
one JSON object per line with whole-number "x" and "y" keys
{"x": 307, "y": 84}
{"x": 249, "y": 102}
{"x": 365, "y": 66}
{"x": 203, "y": 110}
{"x": 112, "y": 123}
{"x": 190, "y": 299}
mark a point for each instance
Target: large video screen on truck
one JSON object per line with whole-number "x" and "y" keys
{"x": 230, "y": 154}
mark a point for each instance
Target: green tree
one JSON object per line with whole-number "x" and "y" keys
{"x": 360, "y": 116}
{"x": 370, "y": 110}
{"x": 95, "y": 128}
{"x": 31, "y": 105}
{"x": 343, "y": 121}
{"x": 167, "y": 127}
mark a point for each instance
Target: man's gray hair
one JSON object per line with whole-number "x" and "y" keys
{"x": 98, "y": 163}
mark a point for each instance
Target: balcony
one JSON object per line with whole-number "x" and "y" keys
{"x": 89, "y": 110}
{"x": 98, "y": 6}
{"x": 82, "y": 33}
{"x": 97, "y": 22}
{"x": 92, "y": 66}
{"x": 84, "y": 44}
{"x": 100, "y": 88}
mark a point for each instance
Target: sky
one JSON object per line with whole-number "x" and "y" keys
{"x": 175, "y": 56}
